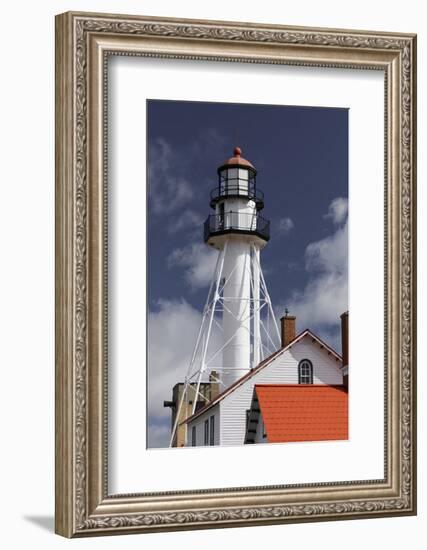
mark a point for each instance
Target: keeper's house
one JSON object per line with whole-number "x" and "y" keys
{"x": 299, "y": 393}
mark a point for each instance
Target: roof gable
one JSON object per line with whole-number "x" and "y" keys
{"x": 267, "y": 361}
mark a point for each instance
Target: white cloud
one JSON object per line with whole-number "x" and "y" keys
{"x": 319, "y": 305}
{"x": 338, "y": 210}
{"x": 329, "y": 255}
{"x": 168, "y": 191}
{"x": 199, "y": 261}
{"x": 159, "y": 434}
{"x": 172, "y": 332}
{"x": 285, "y": 225}
{"x": 187, "y": 220}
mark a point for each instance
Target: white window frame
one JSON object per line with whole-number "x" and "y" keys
{"x": 303, "y": 376}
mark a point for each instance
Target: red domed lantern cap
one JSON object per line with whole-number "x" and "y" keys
{"x": 237, "y": 160}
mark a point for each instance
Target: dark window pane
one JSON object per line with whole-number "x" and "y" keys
{"x": 212, "y": 430}
{"x": 206, "y": 439}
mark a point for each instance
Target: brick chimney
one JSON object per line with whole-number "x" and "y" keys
{"x": 344, "y": 340}
{"x": 287, "y": 323}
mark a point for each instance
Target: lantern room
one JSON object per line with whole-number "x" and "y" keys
{"x": 237, "y": 203}
{"x": 237, "y": 178}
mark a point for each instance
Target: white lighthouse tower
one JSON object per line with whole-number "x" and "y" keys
{"x": 238, "y": 304}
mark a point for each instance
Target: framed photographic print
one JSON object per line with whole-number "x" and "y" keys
{"x": 235, "y": 276}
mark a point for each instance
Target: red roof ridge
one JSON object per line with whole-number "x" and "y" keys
{"x": 324, "y": 343}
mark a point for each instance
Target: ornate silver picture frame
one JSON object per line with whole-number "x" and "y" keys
{"x": 84, "y": 505}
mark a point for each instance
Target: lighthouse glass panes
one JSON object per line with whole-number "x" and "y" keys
{"x": 236, "y": 181}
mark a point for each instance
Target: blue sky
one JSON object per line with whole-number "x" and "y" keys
{"x": 301, "y": 154}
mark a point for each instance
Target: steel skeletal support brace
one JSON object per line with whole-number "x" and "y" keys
{"x": 207, "y": 349}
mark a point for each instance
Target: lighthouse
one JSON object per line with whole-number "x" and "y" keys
{"x": 238, "y": 231}
{"x": 238, "y": 304}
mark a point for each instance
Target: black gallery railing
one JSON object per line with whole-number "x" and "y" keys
{"x": 238, "y": 189}
{"x": 236, "y": 221}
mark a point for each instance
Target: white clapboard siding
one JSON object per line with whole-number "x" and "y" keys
{"x": 199, "y": 423}
{"x": 282, "y": 370}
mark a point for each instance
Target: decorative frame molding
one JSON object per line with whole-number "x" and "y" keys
{"x": 83, "y": 42}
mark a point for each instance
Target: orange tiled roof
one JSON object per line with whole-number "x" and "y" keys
{"x": 300, "y": 412}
